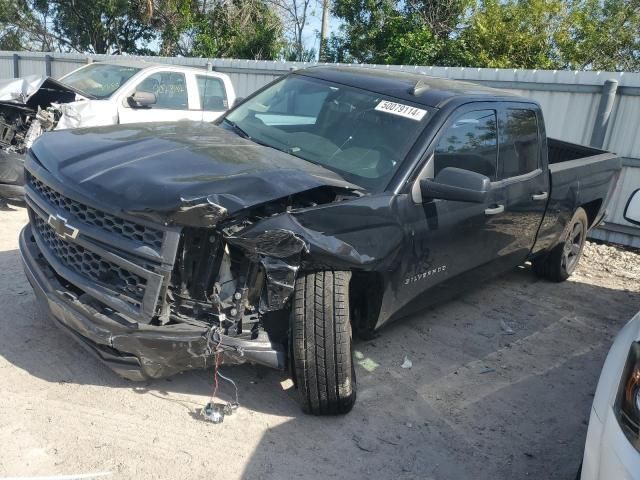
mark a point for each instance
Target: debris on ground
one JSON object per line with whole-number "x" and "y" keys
{"x": 506, "y": 329}
{"x": 602, "y": 260}
{"x": 366, "y": 444}
{"x": 215, "y": 412}
{"x": 407, "y": 363}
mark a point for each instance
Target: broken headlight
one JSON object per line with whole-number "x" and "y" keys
{"x": 627, "y": 406}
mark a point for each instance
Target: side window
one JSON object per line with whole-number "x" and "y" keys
{"x": 213, "y": 96}
{"x": 170, "y": 89}
{"x": 519, "y": 143}
{"x": 470, "y": 143}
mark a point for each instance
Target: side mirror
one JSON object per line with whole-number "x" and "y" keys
{"x": 237, "y": 102}
{"x": 456, "y": 184}
{"x": 632, "y": 210}
{"x": 141, "y": 99}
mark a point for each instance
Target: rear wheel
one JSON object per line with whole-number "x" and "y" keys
{"x": 321, "y": 348}
{"x": 561, "y": 262}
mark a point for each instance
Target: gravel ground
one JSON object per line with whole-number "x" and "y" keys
{"x": 501, "y": 387}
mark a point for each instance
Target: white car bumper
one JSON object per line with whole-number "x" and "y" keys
{"x": 608, "y": 454}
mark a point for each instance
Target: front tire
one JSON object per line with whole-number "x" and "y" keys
{"x": 561, "y": 262}
{"x": 321, "y": 348}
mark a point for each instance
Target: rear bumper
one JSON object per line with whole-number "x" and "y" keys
{"x": 135, "y": 351}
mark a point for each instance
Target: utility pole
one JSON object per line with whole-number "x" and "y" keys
{"x": 324, "y": 30}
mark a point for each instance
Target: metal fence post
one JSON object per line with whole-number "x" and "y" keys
{"x": 47, "y": 64}
{"x": 16, "y": 65}
{"x": 604, "y": 113}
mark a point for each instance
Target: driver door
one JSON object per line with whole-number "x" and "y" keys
{"x": 172, "y": 99}
{"x": 450, "y": 245}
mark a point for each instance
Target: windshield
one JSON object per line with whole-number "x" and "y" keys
{"x": 99, "y": 79}
{"x": 361, "y": 135}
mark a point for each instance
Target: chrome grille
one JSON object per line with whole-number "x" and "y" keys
{"x": 90, "y": 264}
{"x": 105, "y": 221}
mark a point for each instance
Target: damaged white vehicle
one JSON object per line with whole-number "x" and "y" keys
{"x": 100, "y": 94}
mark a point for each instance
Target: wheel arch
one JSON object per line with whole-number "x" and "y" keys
{"x": 592, "y": 209}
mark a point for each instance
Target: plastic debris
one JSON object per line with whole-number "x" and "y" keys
{"x": 506, "y": 329}
{"x": 407, "y": 363}
{"x": 488, "y": 370}
{"x": 215, "y": 412}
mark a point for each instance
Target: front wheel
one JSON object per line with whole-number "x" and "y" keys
{"x": 321, "y": 347}
{"x": 561, "y": 262}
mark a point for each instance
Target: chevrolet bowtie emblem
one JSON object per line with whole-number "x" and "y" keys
{"x": 61, "y": 227}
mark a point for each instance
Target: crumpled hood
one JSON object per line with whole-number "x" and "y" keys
{"x": 36, "y": 90}
{"x": 186, "y": 173}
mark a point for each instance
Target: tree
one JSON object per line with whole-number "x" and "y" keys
{"x": 398, "y": 31}
{"x": 99, "y": 26}
{"x": 603, "y": 35}
{"x": 295, "y": 17}
{"x": 27, "y": 24}
{"x": 238, "y": 29}
{"x": 102, "y": 26}
{"x": 554, "y": 34}
{"x": 173, "y": 22}
{"x": 516, "y": 34}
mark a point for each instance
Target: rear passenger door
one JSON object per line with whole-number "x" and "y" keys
{"x": 522, "y": 185}
{"x": 212, "y": 96}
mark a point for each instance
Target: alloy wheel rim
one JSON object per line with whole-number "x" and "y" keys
{"x": 572, "y": 247}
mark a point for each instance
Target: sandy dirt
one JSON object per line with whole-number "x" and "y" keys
{"x": 501, "y": 388}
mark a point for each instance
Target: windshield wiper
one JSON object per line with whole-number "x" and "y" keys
{"x": 237, "y": 129}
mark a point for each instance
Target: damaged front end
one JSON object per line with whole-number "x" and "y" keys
{"x": 29, "y": 107}
{"x": 232, "y": 275}
{"x": 152, "y": 299}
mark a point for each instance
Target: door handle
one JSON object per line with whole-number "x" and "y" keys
{"x": 540, "y": 196}
{"x": 495, "y": 210}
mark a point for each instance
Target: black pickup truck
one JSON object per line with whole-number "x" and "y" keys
{"x": 334, "y": 199}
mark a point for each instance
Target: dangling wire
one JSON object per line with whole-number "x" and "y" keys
{"x": 217, "y": 352}
{"x": 236, "y": 403}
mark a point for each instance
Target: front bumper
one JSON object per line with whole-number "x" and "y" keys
{"x": 133, "y": 350}
{"x": 608, "y": 453}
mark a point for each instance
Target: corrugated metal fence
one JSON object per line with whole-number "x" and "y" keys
{"x": 574, "y": 106}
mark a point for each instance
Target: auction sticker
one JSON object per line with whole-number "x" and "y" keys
{"x": 406, "y": 111}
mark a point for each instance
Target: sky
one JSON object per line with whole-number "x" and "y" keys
{"x": 311, "y": 37}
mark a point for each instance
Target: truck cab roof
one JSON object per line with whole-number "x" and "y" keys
{"x": 413, "y": 87}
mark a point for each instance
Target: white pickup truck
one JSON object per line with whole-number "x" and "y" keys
{"x": 101, "y": 93}
{"x": 137, "y": 92}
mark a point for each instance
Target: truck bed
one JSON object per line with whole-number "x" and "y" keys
{"x": 580, "y": 176}
{"x": 585, "y": 166}
{"x": 561, "y": 151}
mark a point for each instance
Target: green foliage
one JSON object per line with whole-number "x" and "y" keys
{"x": 101, "y": 26}
{"x": 398, "y": 31}
{"x": 515, "y": 34}
{"x": 171, "y": 19}
{"x": 546, "y": 34}
{"x": 603, "y": 35}
{"x": 97, "y": 26}
{"x": 238, "y": 29}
